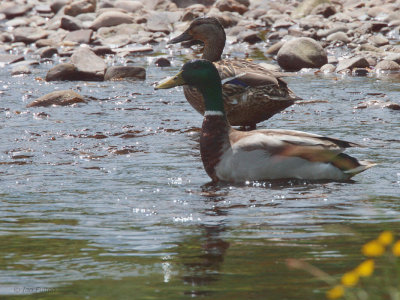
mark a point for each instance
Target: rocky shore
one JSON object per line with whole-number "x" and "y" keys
{"x": 94, "y": 40}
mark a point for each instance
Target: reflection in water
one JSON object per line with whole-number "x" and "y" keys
{"x": 203, "y": 259}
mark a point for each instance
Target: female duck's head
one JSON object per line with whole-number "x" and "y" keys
{"x": 208, "y": 30}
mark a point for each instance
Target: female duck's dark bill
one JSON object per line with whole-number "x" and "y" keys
{"x": 171, "y": 82}
{"x": 181, "y": 38}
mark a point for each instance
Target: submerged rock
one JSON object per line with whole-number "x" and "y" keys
{"x": 62, "y": 98}
{"x": 301, "y": 53}
{"x": 378, "y": 104}
{"x": 121, "y": 72}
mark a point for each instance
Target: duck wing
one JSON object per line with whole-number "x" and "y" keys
{"x": 280, "y": 145}
{"x": 239, "y": 75}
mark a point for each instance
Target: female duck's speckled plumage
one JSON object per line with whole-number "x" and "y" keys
{"x": 251, "y": 93}
{"x": 237, "y": 156}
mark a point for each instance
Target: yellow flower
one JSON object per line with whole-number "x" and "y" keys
{"x": 396, "y": 248}
{"x": 373, "y": 249}
{"x": 350, "y": 278}
{"x": 366, "y": 268}
{"x": 385, "y": 238}
{"x": 335, "y": 292}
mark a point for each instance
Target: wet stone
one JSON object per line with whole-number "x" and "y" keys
{"x": 10, "y": 58}
{"x": 57, "y": 5}
{"x": 29, "y": 35}
{"x": 377, "y": 104}
{"x": 387, "y": 65}
{"x": 377, "y": 26}
{"x": 102, "y": 50}
{"x": 87, "y": 62}
{"x": 82, "y": 36}
{"x": 301, "y": 53}
{"x": 162, "y": 21}
{"x": 249, "y": 36}
{"x": 378, "y": 40}
{"x": 47, "y": 52}
{"x": 43, "y": 9}
{"x": 360, "y": 72}
{"x": 393, "y": 56}
{"x": 125, "y": 72}
{"x": 111, "y": 18}
{"x": 369, "y": 47}
{"x": 20, "y": 70}
{"x": 162, "y": 62}
{"x": 60, "y": 98}
{"x": 70, "y": 23}
{"x": 78, "y": 7}
{"x": 325, "y": 32}
{"x": 306, "y": 7}
{"x": 355, "y": 62}
{"x": 273, "y": 49}
{"x": 324, "y": 9}
{"x": 231, "y": 6}
{"x": 129, "y": 6}
{"x": 327, "y": 68}
{"x": 338, "y": 36}
{"x": 12, "y": 10}
{"x": 65, "y": 71}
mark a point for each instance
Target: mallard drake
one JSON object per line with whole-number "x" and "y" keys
{"x": 236, "y": 156}
{"x": 254, "y": 96}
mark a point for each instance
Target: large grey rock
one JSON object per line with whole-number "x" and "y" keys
{"x": 121, "y": 72}
{"x": 111, "y": 18}
{"x": 63, "y": 98}
{"x": 350, "y": 63}
{"x": 301, "y": 53}
{"x": 87, "y": 62}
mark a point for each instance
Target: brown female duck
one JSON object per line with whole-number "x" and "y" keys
{"x": 251, "y": 93}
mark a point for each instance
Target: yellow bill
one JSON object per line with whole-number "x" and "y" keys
{"x": 171, "y": 82}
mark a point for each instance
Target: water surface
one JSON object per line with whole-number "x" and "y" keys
{"x": 109, "y": 199}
